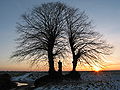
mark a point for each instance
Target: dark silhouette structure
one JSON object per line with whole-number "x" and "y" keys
{"x": 60, "y": 67}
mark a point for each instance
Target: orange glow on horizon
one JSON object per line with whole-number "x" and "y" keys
{"x": 26, "y": 67}
{"x": 96, "y": 69}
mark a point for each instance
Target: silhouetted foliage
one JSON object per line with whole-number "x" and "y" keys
{"x": 86, "y": 45}
{"x": 40, "y": 35}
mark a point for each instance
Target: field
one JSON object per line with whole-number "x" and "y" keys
{"x": 105, "y": 80}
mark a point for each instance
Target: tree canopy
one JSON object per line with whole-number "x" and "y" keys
{"x": 86, "y": 44}
{"x": 52, "y": 29}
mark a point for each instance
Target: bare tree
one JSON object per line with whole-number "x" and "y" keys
{"x": 86, "y": 44}
{"x": 40, "y": 35}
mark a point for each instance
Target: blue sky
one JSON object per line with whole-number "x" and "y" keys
{"x": 104, "y": 13}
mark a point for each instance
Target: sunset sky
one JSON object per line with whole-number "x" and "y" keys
{"x": 104, "y": 13}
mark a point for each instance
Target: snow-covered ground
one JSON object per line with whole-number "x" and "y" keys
{"x": 90, "y": 81}
{"x": 24, "y": 78}
{"x": 28, "y": 77}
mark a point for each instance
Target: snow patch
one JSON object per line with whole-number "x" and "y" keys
{"x": 28, "y": 77}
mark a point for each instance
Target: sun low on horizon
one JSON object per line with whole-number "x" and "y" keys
{"x": 96, "y": 69}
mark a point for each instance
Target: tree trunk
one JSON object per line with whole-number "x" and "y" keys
{"x": 74, "y": 65}
{"x": 51, "y": 63}
{"x": 51, "y": 67}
